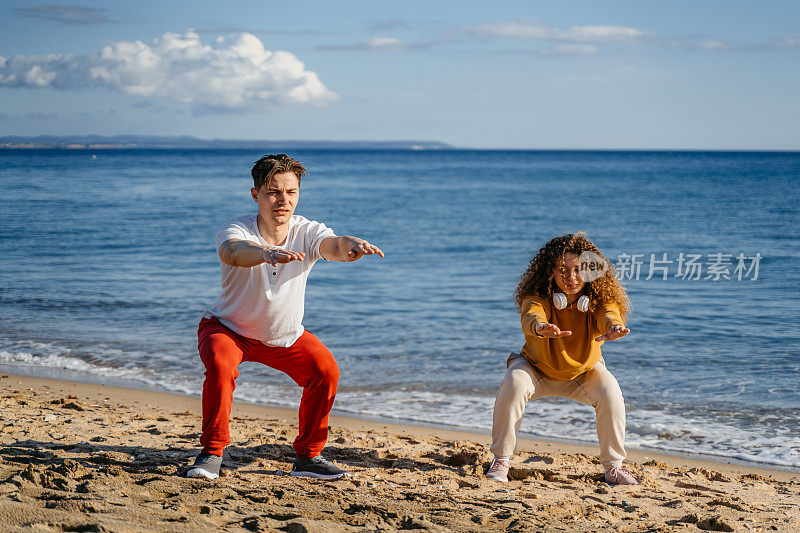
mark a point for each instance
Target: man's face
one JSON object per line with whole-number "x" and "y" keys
{"x": 567, "y": 275}
{"x": 277, "y": 199}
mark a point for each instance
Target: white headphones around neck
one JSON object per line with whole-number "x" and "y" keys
{"x": 560, "y": 301}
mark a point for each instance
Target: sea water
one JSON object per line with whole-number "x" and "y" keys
{"x": 107, "y": 264}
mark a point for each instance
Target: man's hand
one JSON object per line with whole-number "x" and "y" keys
{"x": 273, "y": 256}
{"x": 347, "y": 248}
{"x": 614, "y": 333}
{"x": 361, "y": 249}
{"x": 551, "y": 330}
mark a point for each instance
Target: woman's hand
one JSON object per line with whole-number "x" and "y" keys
{"x": 550, "y": 330}
{"x": 614, "y": 333}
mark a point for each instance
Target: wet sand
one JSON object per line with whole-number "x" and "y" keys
{"x": 80, "y": 457}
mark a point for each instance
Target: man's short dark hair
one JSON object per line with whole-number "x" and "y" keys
{"x": 269, "y": 165}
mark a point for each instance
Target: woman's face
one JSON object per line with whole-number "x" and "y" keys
{"x": 567, "y": 275}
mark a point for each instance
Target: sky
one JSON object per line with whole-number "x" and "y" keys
{"x": 528, "y": 74}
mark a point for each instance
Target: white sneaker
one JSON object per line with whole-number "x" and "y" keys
{"x": 205, "y": 465}
{"x": 499, "y": 469}
{"x": 620, "y": 476}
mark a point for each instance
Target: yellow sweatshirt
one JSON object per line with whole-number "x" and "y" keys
{"x": 565, "y": 358}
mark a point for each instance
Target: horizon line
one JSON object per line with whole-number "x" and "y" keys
{"x": 95, "y": 142}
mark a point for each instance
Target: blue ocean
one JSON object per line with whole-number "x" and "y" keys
{"x": 107, "y": 262}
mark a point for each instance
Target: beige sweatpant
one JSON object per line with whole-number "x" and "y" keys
{"x": 597, "y": 387}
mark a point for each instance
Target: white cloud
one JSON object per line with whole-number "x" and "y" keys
{"x": 789, "y": 41}
{"x": 581, "y": 40}
{"x": 569, "y": 50}
{"x": 600, "y": 34}
{"x": 377, "y": 43}
{"x": 384, "y": 43}
{"x": 539, "y": 30}
{"x": 233, "y": 74}
{"x": 714, "y": 45}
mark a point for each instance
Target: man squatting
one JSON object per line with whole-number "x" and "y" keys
{"x": 265, "y": 260}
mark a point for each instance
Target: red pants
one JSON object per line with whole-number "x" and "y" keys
{"x": 308, "y": 362}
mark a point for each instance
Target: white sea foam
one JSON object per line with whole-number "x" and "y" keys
{"x": 565, "y": 421}
{"x": 50, "y": 360}
{"x": 544, "y": 419}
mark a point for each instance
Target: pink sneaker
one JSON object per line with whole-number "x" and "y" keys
{"x": 499, "y": 469}
{"x": 619, "y": 476}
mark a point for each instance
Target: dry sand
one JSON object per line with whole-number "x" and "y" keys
{"x": 78, "y": 457}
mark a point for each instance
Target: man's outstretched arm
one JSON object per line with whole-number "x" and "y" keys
{"x": 347, "y": 248}
{"x": 241, "y": 253}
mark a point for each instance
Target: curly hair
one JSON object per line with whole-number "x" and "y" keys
{"x": 538, "y": 279}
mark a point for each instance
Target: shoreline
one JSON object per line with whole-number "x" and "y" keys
{"x": 352, "y": 421}
{"x": 85, "y": 457}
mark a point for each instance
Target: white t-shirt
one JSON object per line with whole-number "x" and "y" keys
{"x": 267, "y": 302}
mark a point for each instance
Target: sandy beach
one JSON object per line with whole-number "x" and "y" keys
{"x": 80, "y": 457}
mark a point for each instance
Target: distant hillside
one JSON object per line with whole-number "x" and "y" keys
{"x": 100, "y": 142}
